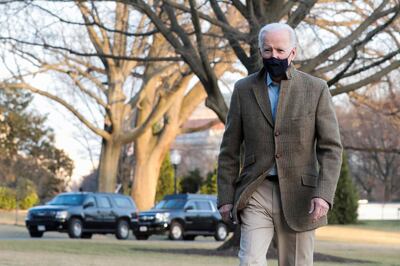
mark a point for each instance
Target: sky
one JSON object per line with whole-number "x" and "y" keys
{"x": 67, "y": 136}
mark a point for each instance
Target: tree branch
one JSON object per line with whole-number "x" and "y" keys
{"x": 71, "y": 51}
{"x": 25, "y": 86}
{"x": 200, "y": 128}
{"x": 324, "y": 55}
{"x": 373, "y": 78}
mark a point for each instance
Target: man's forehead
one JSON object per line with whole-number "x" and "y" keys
{"x": 277, "y": 34}
{"x": 278, "y": 37}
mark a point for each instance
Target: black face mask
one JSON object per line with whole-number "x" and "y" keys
{"x": 276, "y": 67}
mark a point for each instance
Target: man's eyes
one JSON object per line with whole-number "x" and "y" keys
{"x": 270, "y": 50}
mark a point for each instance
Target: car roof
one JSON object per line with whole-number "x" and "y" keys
{"x": 93, "y": 193}
{"x": 190, "y": 196}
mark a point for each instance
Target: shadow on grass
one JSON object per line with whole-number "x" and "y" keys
{"x": 272, "y": 254}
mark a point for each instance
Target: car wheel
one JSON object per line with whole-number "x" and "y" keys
{"x": 75, "y": 228}
{"x": 189, "y": 237}
{"x": 221, "y": 232}
{"x": 176, "y": 231}
{"x": 142, "y": 237}
{"x": 122, "y": 231}
{"x": 86, "y": 235}
{"x": 36, "y": 234}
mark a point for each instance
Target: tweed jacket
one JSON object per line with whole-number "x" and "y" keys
{"x": 304, "y": 142}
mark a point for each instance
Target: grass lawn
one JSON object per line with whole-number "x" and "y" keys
{"x": 375, "y": 241}
{"x": 386, "y": 225}
{"x": 150, "y": 253}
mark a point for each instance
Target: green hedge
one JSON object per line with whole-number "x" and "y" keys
{"x": 8, "y": 199}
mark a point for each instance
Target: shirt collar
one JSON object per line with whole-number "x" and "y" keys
{"x": 269, "y": 81}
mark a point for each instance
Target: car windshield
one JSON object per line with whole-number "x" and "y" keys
{"x": 71, "y": 200}
{"x": 170, "y": 204}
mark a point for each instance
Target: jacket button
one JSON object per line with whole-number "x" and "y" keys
{"x": 277, "y": 133}
{"x": 277, "y": 156}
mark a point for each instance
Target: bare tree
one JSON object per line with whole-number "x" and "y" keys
{"x": 343, "y": 39}
{"x": 370, "y": 134}
{"x": 101, "y": 64}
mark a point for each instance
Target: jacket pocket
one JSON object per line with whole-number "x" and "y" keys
{"x": 309, "y": 180}
{"x": 248, "y": 160}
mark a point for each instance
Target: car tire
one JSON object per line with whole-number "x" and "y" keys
{"x": 86, "y": 235}
{"x": 142, "y": 237}
{"x": 122, "y": 231}
{"x": 176, "y": 231}
{"x": 221, "y": 232}
{"x": 189, "y": 237}
{"x": 75, "y": 228}
{"x": 35, "y": 233}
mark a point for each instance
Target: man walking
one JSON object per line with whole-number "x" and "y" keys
{"x": 283, "y": 121}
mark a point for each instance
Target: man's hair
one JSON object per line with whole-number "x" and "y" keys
{"x": 276, "y": 27}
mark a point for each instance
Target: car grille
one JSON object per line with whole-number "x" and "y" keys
{"x": 146, "y": 218}
{"x": 43, "y": 215}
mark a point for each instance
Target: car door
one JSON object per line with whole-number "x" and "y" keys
{"x": 191, "y": 216}
{"x": 205, "y": 215}
{"x": 92, "y": 218}
{"x": 108, "y": 222}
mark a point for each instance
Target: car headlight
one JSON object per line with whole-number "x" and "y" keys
{"x": 162, "y": 217}
{"x": 28, "y": 215}
{"x": 61, "y": 214}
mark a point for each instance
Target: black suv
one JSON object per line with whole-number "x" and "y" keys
{"x": 82, "y": 214}
{"x": 183, "y": 216}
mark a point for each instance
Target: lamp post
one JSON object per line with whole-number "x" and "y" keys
{"x": 175, "y": 160}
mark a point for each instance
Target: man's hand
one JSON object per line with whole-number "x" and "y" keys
{"x": 319, "y": 208}
{"x": 225, "y": 211}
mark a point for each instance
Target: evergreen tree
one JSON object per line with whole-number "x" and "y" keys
{"x": 345, "y": 205}
{"x": 165, "y": 183}
{"x": 192, "y": 182}
{"x": 210, "y": 184}
{"x": 27, "y": 151}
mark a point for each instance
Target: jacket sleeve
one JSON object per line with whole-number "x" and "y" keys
{"x": 229, "y": 156}
{"x": 328, "y": 147}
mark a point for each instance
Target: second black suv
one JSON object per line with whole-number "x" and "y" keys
{"x": 183, "y": 216}
{"x": 82, "y": 214}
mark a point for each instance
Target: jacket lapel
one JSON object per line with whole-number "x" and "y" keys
{"x": 260, "y": 91}
{"x": 284, "y": 94}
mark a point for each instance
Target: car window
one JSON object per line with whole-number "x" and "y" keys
{"x": 203, "y": 205}
{"x": 104, "y": 202}
{"x": 171, "y": 204}
{"x": 123, "y": 202}
{"x": 90, "y": 199}
{"x": 190, "y": 204}
{"x": 71, "y": 200}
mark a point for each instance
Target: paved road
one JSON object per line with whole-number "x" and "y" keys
{"x": 12, "y": 232}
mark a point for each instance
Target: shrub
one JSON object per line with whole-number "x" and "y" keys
{"x": 29, "y": 201}
{"x": 210, "y": 184}
{"x": 165, "y": 183}
{"x": 7, "y": 198}
{"x": 345, "y": 205}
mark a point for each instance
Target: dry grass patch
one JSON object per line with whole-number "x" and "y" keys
{"x": 357, "y": 235}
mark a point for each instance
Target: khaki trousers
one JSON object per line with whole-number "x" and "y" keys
{"x": 260, "y": 219}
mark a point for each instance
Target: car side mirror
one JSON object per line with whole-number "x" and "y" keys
{"x": 188, "y": 208}
{"x": 88, "y": 204}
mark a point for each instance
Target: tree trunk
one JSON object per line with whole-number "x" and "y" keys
{"x": 387, "y": 196}
{"x": 147, "y": 170}
{"x": 108, "y": 168}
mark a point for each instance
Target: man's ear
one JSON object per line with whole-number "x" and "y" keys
{"x": 293, "y": 54}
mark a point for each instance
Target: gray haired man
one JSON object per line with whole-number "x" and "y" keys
{"x": 286, "y": 122}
